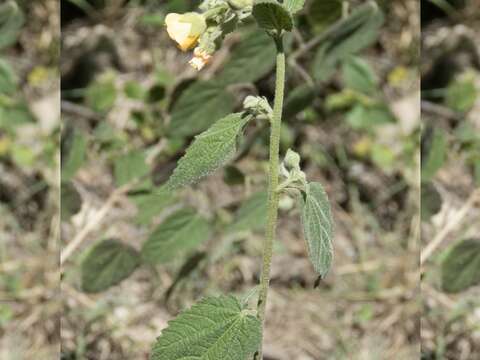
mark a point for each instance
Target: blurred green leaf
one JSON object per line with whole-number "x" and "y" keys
{"x": 430, "y": 202}
{"x": 461, "y": 267}
{"x": 73, "y": 148}
{"x": 11, "y": 22}
{"x": 150, "y": 204}
{"x": 106, "y": 264}
{"x": 347, "y": 37}
{"x": 368, "y": 117}
{"x": 358, "y": 75}
{"x": 101, "y": 95}
{"x": 318, "y": 227}
{"x": 214, "y": 328}
{"x": 209, "y": 151}
{"x": 251, "y": 215}
{"x": 298, "y": 100}
{"x": 180, "y": 233}
{"x": 70, "y": 201}
{"x": 198, "y": 107}
{"x": 129, "y": 167}
{"x": 8, "y": 79}
{"x": 271, "y": 15}
{"x": 462, "y": 94}
{"x": 250, "y": 60}
{"x": 434, "y": 152}
{"x": 323, "y": 13}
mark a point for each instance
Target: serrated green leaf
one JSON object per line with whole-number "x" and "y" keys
{"x": 298, "y": 100}
{"x": 129, "y": 167}
{"x": 251, "y": 60}
{"x": 198, "y": 107}
{"x": 347, "y": 37}
{"x": 318, "y": 227}
{"x": 71, "y": 201}
{"x": 11, "y": 22}
{"x": 322, "y": 13}
{"x": 271, "y": 15}
{"x": 434, "y": 152}
{"x": 461, "y": 267}
{"x": 251, "y": 215}
{"x": 430, "y": 201}
{"x": 213, "y": 329}
{"x": 358, "y": 75}
{"x": 209, "y": 151}
{"x": 181, "y": 232}
{"x": 294, "y": 6}
{"x": 8, "y": 79}
{"x": 107, "y": 264}
{"x": 73, "y": 148}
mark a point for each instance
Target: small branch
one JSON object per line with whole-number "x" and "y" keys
{"x": 455, "y": 220}
{"x": 95, "y": 222}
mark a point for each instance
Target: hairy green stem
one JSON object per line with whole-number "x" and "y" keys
{"x": 272, "y": 209}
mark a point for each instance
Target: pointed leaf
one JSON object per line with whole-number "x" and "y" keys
{"x": 318, "y": 227}
{"x": 181, "y": 232}
{"x": 107, "y": 264}
{"x": 461, "y": 267}
{"x": 198, "y": 107}
{"x": 210, "y": 150}
{"x": 213, "y": 329}
{"x": 347, "y": 37}
{"x": 271, "y": 15}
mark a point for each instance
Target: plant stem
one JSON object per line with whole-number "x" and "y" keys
{"x": 272, "y": 209}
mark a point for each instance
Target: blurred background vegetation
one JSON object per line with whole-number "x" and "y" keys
{"x": 131, "y": 104}
{"x": 450, "y": 179}
{"x": 29, "y": 185}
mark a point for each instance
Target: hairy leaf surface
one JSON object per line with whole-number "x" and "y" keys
{"x": 461, "y": 267}
{"x": 213, "y": 329}
{"x": 181, "y": 232}
{"x": 318, "y": 227}
{"x": 107, "y": 264}
{"x": 271, "y": 15}
{"x": 209, "y": 151}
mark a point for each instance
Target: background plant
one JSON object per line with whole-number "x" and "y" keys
{"x": 29, "y": 129}
{"x": 142, "y": 126}
{"x": 450, "y": 150}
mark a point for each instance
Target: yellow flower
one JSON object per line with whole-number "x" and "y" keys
{"x": 185, "y": 29}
